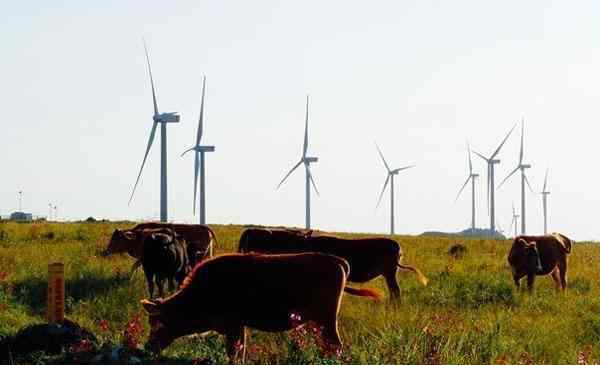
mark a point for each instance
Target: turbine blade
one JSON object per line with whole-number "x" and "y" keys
{"x": 482, "y": 156}
{"x": 288, "y": 174}
{"x": 310, "y": 176}
{"x": 387, "y": 179}
{"x": 201, "y": 119}
{"x": 305, "y": 147}
{"x": 470, "y": 162}
{"x": 545, "y": 181}
{"x": 403, "y": 168}
{"x": 151, "y": 79}
{"x": 463, "y": 188}
{"x": 382, "y": 158}
{"x": 188, "y": 150}
{"x": 522, "y": 133}
{"x": 503, "y": 141}
{"x": 150, "y": 140}
{"x": 509, "y": 175}
{"x": 196, "y": 172}
{"x": 528, "y": 184}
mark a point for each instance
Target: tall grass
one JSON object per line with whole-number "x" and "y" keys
{"x": 470, "y": 313}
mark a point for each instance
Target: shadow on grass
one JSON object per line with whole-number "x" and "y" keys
{"x": 32, "y": 292}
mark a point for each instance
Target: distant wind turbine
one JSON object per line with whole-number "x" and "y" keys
{"x": 306, "y": 160}
{"x": 491, "y": 196}
{"x": 545, "y": 194}
{"x": 199, "y": 161}
{"x": 521, "y": 166}
{"x": 472, "y": 178}
{"x": 162, "y": 119}
{"x": 389, "y": 179}
{"x": 515, "y": 221}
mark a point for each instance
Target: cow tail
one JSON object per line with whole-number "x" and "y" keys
{"x": 370, "y": 293}
{"x": 422, "y": 278}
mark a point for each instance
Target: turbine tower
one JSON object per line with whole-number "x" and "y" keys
{"x": 524, "y": 180}
{"x": 162, "y": 119}
{"x": 545, "y": 194}
{"x": 306, "y": 160}
{"x": 491, "y": 196}
{"x": 390, "y": 179}
{"x": 515, "y": 221}
{"x": 199, "y": 162}
{"x": 472, "y": 178}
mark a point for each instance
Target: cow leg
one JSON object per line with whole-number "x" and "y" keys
{"x": 160, "y": 282}
{"x": 562, "y": 267}
{"x": 150, "y": 280}
{"x": 530, "y": 281}
{"x": 517, "y": 276}
{"x": 235, "y": 340}
{"x": 556, "y": 278}
{"x": 392, "y": 283}
{"x": 134, "y": 267}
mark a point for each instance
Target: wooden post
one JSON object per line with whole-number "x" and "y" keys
{"x": 56, "y": 293}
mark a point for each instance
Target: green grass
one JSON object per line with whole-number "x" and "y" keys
{"x": 470, "y": 313}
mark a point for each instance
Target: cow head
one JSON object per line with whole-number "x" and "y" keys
{"x": 119, "y": 242}
{"x": 529, "y": 256}
{"x": 160, "y": 334}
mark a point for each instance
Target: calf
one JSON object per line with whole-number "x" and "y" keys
{"x": 164, "y": 256}
{"x": 540, "y": 255}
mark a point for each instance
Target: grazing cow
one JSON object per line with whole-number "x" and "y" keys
{"x": 199, "y": 238}
{"x": 368, "y": 257}
{"x": 164, "y": 257}
{"x": 540, "y": 255}
{"x": 267, "y": 292}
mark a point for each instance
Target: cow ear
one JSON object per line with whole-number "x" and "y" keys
{"x": 152, "y": 307}
{"x": 532, "y": 244}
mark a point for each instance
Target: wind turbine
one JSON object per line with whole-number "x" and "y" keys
{"x": 390, "y": 179}
{"x": 199, "y": 161}
{"x": 521, "y": 166}
{"x": 472, "y": 178}
{"x": 491, "y": 161}
{"x": 515, "y": 221}
{"x": 306, "y": 160}
{"x": 162, "y": 119}
{"x": 545, "y": 194}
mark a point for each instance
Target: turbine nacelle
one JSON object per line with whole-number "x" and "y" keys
{"x": 525, "y": 166}
{"x": 494, "y": 161}
{"x": 310, "y": 160}
{"x": 172, "y": 117}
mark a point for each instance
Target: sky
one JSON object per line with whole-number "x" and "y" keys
{"x": 420, "y": 78}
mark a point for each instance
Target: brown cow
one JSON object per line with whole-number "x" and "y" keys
{"x": 268, "y": 292}
{"x": 200, "y": 240}
{"x": 540, "y": 255}
{"x": 368, "y": 257}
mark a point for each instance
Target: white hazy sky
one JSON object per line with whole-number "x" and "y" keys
{"x": 418, "y": 77}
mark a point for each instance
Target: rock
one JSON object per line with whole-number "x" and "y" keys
{"x": 51, "y": 339}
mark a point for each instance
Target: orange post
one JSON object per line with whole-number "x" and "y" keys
{"x": 56, "y": 293}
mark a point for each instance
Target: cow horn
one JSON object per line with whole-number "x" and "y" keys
{"x": 151, "y": 306}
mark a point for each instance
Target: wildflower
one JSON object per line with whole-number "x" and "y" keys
{"x": 82, "y": 346}
{"x": 132, "y": 333}
{"x": 3, "y": 275}
{"x": 103, "y": 326}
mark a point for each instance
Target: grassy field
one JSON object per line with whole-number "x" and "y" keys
{"x": 470, "y": 313}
